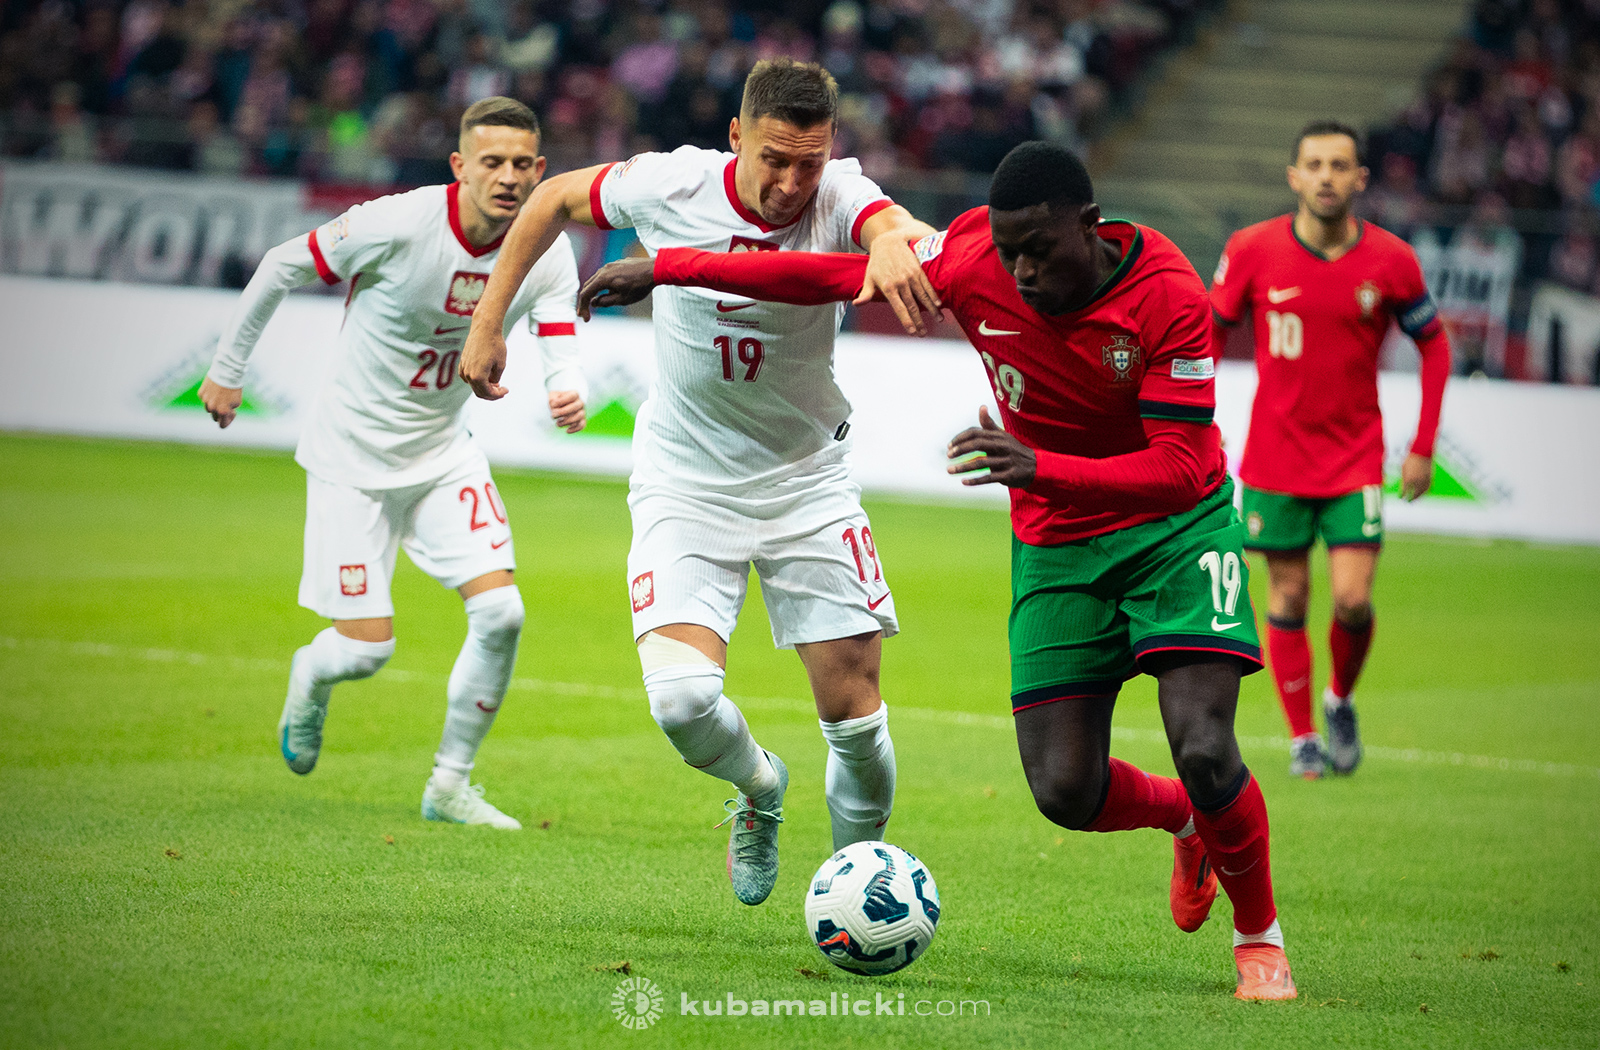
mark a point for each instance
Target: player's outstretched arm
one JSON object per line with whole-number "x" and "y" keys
{"x": 893, "y": 272}
{"x": 556, "y": 202}
{"x": 796, "y": 278}
{"x": 285, "y": 267}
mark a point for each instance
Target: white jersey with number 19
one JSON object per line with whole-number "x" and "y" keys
{"x": 390, "y": 415}
{"x": 745, "y": 399}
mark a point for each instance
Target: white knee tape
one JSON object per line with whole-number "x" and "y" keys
{"x": 657, "y": 651}
{"x": 496, "y": 615}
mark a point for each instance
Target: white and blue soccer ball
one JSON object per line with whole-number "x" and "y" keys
{"x": 872, "y": 908}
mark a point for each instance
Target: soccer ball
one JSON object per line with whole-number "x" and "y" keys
{"x": 872, "y": 908}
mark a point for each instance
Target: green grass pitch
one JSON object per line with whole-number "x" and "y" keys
{"x": 168, "y": 883}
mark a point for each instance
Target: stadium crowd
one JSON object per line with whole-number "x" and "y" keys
{"x": 1505, "y": 135}
{"x": 369, "y": 91}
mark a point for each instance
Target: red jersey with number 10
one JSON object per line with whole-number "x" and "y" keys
{"x": 1315, "y": 428}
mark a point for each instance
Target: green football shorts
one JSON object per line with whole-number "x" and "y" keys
{"x": 1274, "y": 521}
{"x": 1084, "y": 613}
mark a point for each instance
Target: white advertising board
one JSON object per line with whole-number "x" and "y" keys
{"x": 122, "y": 360}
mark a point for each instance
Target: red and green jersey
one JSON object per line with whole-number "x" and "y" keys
{"x": 1315, "y": 428}
{"x": 1082, "y": 383}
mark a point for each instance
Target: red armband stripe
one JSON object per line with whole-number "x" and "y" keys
{"x": 324, "y": 271}
{"x": 597, "y": 212}
{"x": 866, "y": 213}
{"x": 547, "y": 328}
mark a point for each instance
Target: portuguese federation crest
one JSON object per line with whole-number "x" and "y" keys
{"x": 1368, "y": 297}
{"x": 1121, "y": 354}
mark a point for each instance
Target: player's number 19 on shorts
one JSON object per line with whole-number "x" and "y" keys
{"x": 1226, "y": 576}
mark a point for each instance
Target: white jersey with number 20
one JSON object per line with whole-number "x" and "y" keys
{"x": 390, "y": 415}
{"x": 745, "y": 399}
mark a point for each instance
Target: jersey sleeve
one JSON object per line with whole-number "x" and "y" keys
{"x": 935, "y": 264}
{"x": 1180, "y": 374}
{"x": 1230, "y": 285}
{"x": 553, "y": 319}
{"x": 356, "y": 241}
{"x": 1413, "y": 308}
{"x": 629, "y": 194}
{"x": 846, "y": 199}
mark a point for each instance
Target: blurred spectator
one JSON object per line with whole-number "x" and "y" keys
{"x": 1572, "y": 263}
{"x": 72, "y": 140}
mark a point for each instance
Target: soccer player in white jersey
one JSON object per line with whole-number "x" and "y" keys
{"x": 389, "y": 462}
{"x": 739, "y": 451}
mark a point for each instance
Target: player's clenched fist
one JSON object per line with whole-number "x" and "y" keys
{"x": 221, "y": 401}
{"x": 1007, "y": 460}
{"x": 483, "y": 361}
{"x": 620, "y": 283}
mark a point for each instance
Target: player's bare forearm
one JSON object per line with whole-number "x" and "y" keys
{"x": 535, "y": 229}
{"x": 893, "y": 271}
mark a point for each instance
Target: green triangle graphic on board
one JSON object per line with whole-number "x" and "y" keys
{"x": 190, "y": 398}
{"x": 614, "y": 420}
{"x": 1445, "y": 485}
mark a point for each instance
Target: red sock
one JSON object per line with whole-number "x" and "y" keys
{"x": 1236, "y": 844}
{"x": 1349, "y": 647}
{"x": 1290, "y": 655}
{"x": 1137, "y": 799}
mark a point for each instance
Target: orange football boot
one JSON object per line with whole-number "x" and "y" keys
{"x": 1263, "y": 972}
{"x": 1194, "y": 884}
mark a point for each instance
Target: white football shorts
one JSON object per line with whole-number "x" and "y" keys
{"x": 820, "y": 569}
{"x": 453, "y": 529}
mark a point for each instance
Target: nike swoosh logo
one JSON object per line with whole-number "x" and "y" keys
{"x": 1296, "y": 685}
{"x": 880, "y": 601}
{"x": 1236, "y": 874}
{"x": 488, "y": 710}
{"x": 723, "y": 308}
{"x": 1282, "y": 295}
{"x": 502, "y": 543}
{"x": 1216, "y": 625}
{"x": 984, "y": 329}
{"x": 881, "y": 823}
{"x": 442, "y": 330}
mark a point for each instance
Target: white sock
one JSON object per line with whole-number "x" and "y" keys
{"x": 860, "y": 776}
{"x": 332, "y": 658}
{"x": 1271, "y": 935}
{"x": 706, "y": 727}
{"x": 479, "y": 679}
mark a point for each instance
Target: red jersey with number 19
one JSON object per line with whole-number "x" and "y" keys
{"x": 1315, "y": 428}
{"x": 1081, "y": 383}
